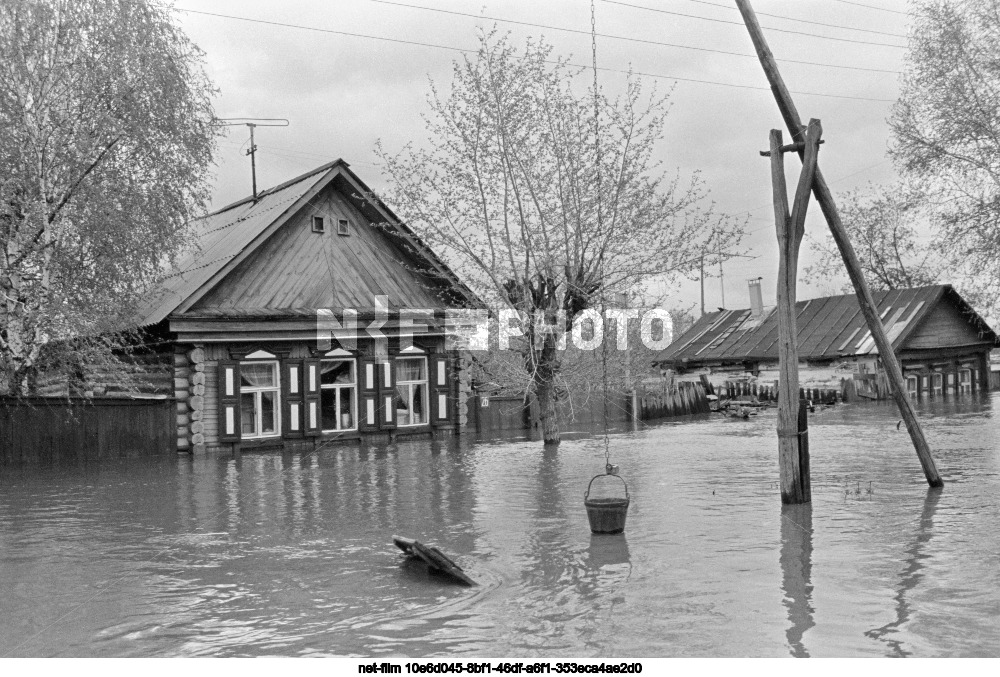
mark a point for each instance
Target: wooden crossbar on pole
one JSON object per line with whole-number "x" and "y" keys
{"x": 827, "y": 204}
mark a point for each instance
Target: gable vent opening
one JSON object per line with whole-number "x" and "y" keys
{"x": 343, "y": 227}
{"x": 318, "y": 224}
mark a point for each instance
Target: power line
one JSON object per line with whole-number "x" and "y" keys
{"x": 322, "y": 30}
{"x": 750, "y": 211}
{"x": 805, "y": 21}
{"x": 471, "y": 51}
{"x": 628, "y": 39}
{"x": 881, "y": 9}
{"x": 739, "y": 23}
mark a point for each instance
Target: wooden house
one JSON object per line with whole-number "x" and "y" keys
{"x": 942, "y": 344}
{"x": 258, "y": 322}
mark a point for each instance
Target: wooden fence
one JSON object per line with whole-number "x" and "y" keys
{"x": 43, "y": 430}
{"x": 739, "y": 390}
{"x": 683, "y": 399}
{"x": 510, "y": 413}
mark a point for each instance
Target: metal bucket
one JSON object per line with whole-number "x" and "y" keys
{"x": 606, "y": 515}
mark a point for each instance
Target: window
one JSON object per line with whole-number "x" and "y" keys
{"x": 911, "y": 386}
{"x": 937, "y": 380}
{"x": 259, "y": 410}
{"x": 343, "y": 227}
{"x": 965, "y": 381}
{"x": 338, "y": 395}
{"x": 319, "y": 224}
{"x": 411, "y": 387}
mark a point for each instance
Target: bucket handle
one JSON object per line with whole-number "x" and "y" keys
{"x": 587, "y": 494}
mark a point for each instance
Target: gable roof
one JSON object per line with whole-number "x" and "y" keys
{"x": 830, "y": 327}
{"x": 230, "y": 235}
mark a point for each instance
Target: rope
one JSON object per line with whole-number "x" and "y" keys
{"x": 600, "y": 230}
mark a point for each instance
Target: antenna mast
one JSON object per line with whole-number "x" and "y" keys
{"x": 252, "y": 151}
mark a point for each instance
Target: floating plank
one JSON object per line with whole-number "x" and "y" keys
{"x": 437, "y": 561}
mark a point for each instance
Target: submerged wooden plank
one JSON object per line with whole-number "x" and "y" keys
{"x": 436, "y": 560}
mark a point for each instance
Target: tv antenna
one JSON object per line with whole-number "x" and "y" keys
{"x": 252, "y": 151}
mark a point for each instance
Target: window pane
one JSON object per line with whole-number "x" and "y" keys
{"x": 248, "y": 414}
{"x": 419, "y": 414}
{"x": 337, "y": 371}
{"x": 410, "y": 370}
{"x": 346, "y": 408}
{"x": 268, "y": 407}
{"x": 328, "y": 408}
{"x": 402, "y": 405}
{"x": 258, "y": 375}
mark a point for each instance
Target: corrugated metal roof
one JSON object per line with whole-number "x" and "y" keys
{"x": 220, "y": 237}
{"x": 828, "y": 328}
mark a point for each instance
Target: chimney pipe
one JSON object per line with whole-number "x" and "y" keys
{"x": 756, "y": 300}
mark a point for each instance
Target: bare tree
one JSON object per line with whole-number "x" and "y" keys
{"x": 105, "y": 141}
{"x": 880, "y": 221}
{"x": 547, "y": 197}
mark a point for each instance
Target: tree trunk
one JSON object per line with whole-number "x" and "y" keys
{"x": 548, "y": 414}
{"x": 545, "y": 395}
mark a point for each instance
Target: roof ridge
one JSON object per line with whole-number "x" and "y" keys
{"x": 279, "y": 187}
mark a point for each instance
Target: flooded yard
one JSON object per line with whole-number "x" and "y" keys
{"x": 292, "y": 554}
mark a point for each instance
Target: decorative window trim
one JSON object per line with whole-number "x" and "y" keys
{"x": 257, "y": 393}
{"x": 240, "y": 352}
{"x": 410, "y": 387}
{"x": 339, "y": 388}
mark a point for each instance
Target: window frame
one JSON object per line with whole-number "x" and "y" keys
{"x": 257, "y": 392}
{"x": 937, "y": 383}
{"x": 338, "y": 388}
{"x": 410, "y": 389}
{"x": 321, "y": 221}
{"x": 915, "y": 380}
{"x": 343, "y": 227}
{"x": 965, "y": 384}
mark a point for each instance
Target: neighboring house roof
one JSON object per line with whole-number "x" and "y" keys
{"x": 829, "y": 328}
{"x": 231, "y": 236}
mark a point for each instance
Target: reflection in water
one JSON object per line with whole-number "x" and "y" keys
{"x": 909, "y": 578}
{"x": 608, "y": 550}
{"x": 796, "y": 573}
{"x": 290, "y": 554}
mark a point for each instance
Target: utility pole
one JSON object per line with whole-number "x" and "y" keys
{"x": 722, "y": 282}
{"x": 252, "y": 151}
{"x": 826, "y": 202}
{"x": 702, "y": 279}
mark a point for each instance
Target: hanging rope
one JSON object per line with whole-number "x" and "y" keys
{"x": 600, "y": 230}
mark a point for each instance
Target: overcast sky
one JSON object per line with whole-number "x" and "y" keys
{"x": 342, "y": 92}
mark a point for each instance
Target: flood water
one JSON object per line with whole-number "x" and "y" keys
{"x": 292, "y": 554}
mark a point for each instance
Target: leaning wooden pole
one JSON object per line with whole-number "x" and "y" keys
{"x": 793, "y": 465}
{"x": 826, "y": 202}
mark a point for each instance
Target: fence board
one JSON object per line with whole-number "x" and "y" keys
{"x": 45, "y": 430}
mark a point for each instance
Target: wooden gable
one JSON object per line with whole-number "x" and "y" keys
{"x": 298, "y": 268}
{"x": 946, "y": 326}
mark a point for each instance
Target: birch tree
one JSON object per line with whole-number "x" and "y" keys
{"x": 106, "y": 138}
{"x": 946, "y": 133}
{"x": 548, "y": 198}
